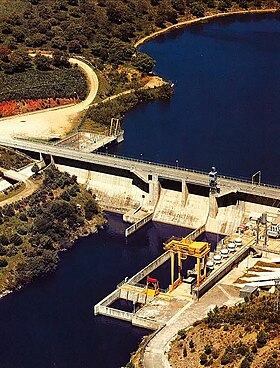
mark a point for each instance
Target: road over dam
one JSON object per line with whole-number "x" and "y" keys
{"x": 145, "y": 170}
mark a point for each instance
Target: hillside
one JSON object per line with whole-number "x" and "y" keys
{"x": 104, "y": 29}
{"x": 246, "y": 335}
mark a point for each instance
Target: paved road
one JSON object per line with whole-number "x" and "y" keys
{"x": 143, "y": 168}
{"x": 155, "y": 355}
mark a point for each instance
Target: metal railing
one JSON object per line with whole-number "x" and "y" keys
{"x": 155, "y": 164}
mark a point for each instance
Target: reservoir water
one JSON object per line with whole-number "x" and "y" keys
{"x": 224, "y": 112}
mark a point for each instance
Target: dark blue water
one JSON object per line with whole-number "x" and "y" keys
{"x": 50, "y": 322}
{"x": 225, "y": 110}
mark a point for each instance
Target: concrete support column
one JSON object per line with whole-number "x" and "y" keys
{"x": 185, "y": 193}
{"x": 213, "y": 206}
{"x": 154, "y": 190}
{"x": 172, "y": 260}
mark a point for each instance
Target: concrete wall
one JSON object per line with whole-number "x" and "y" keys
{"x": 114, "y": 193}
{"x": 181, "y": 205}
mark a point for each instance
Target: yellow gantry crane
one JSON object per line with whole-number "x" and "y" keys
{"x": 184, "y": 248}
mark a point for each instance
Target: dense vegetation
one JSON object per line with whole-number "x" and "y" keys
{"x": 246, "y": 335}
{"x": 9, "y": 159}
{"x": 35, "y": 229}
{"x": 41, "y": 77}
{"x": 103, "y": 112}
{"x": 104, "y": 29}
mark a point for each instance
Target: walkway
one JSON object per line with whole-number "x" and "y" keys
{"x": 144, "y": 168}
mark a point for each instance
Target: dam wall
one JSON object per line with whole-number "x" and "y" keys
{"x": 174, "y": 202}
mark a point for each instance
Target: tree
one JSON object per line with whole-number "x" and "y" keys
{"x": 35, "y": 169}
{"x": 208, "y": 349}
{"x": 65, "y": 196}
{"x": 261, "y": 339}
{"x": 4, "y": 53}
{"x": 4, "y": 240}
{"x": 245, "y": 363}
{"x": 197, "y": 9}
{"x": 203, "y": 359}
{"x": 3, "y": 250}
{"x": 3, "y": 262}
{"x": 74, "y": 46}
{"x": 20, "y": 61}
{"x": 91, "y": 209}
{"x": 16, "y": 239}
{"x": 143, "y": 62}
{"x": 9, "y": 211}
{"x": 270, "y": 363}
{"x": 60, "y": 59}
{"x": 42, "y": 62}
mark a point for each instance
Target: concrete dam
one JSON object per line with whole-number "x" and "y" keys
{"x": 144, "y": 191}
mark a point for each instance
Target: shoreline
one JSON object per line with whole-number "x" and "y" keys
{"x": 185, "y": 23}
{"x": 90, "y": 228}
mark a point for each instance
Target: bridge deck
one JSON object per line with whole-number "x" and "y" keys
{"x": 226, "y": 184}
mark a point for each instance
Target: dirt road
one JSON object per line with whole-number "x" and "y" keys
{"x": 42, "y": 124}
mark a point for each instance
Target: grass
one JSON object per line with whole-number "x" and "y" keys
{"x": 103, "y": 87}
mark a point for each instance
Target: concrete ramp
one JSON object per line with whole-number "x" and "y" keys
{"x": 227, "y": 219}
{"x": 170, "y": 209}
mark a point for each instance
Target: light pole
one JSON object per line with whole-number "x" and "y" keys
{"x": 141, "y": 155}
{"x": 177, "y": 164}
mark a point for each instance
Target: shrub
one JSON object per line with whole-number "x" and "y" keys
{"x": 242, "y": 349}
{"x": 261, "y": 339}
{"x": 191, "y": 344}
{"x": 245, "y": 363}
{"x": 4, "y": 240}
{"x": 203, "y": 359}
{"x": 16, "y": 239}
{"x": 3, "y": 263}
{"x": 22, "y": 231}
{"x": 182, "y": 334}
{"x": 208, "y": 349}
{"x": 270, "y": 363}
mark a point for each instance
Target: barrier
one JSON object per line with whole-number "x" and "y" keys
{"x": 134, "y": 227}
